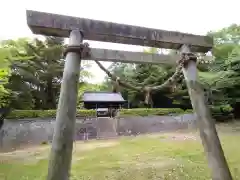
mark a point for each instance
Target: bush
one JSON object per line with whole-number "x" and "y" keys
{"x": 149, "y": 112}
{"x": 222, "y": 109}
{"x": 222, "y": 113}
{"x": 219, "y": 113}
{"x": 25, "y": 114}
{"x": 188, "y": 111}
{"x": 22, "y": 114}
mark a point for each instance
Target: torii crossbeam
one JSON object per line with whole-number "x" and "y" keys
{"x": 77, "y": 29}
{"x": 59, "y": 25}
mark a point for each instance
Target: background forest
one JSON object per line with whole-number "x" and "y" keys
{"x": 31, "y": 72}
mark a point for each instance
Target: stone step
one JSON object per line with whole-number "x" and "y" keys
{"x": 106, "y": 127}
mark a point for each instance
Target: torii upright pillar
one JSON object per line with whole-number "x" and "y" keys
{"x": 60, "y": 25}
{"x": 62, "y": 145}
{"x": 208, "y": 133}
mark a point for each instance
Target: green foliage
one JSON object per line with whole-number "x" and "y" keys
{"x": 222, "y": 108}
{"x": 31, "y": 73}
{"x": 217, "y": 109}
{"x": 32, "y": 69}
{"x": 83, "y": 87}
{"x": 123, "y": 71}
{"x": 219, "y": 113}
{"x": 4, "y": 75}
{"x": 227, "y": 64}
{"x": 220, "y": 78}
{"x": 222, "y": 113}
{"x": 142, "y": 75}
{"x": 22, "y": 114}
{"x": 4, "y": 97}
{"x": 150, "y": 112}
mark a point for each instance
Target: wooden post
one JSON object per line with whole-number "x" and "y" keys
{"x": 62, "y": 145}
{"x": 208, "y": 132}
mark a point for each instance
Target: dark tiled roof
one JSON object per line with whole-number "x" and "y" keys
{"x": 102, "y": 97}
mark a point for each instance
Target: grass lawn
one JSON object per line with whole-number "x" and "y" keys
{"x": 167, "y": 156}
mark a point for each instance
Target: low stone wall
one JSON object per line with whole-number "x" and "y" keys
{"x": 21, "y": 133}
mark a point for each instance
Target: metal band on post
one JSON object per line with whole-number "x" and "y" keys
{"x": 83, "y": 50}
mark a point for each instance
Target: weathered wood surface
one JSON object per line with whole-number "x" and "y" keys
{"x": 62, "y": 145}
{"x": 134, "y": 57}
{"x": 208, "y": 133}
{"x": 60, "y": 25}
{"x": 131, "y": 57}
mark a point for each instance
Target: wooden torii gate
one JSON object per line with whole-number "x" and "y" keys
{"x": 77, "y": 29}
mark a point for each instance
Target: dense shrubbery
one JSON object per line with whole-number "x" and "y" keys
{"x": 217, "y": 112}
{"x": 21, "y": 114}
{"x": 150, "y": 112}
{"x": 222, "y": 113}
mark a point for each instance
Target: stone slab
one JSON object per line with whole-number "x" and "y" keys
{"x": 134, "y": 57}
{"x": 60, "y": 25}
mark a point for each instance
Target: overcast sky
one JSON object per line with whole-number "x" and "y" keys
{"x": 197, "y": 17}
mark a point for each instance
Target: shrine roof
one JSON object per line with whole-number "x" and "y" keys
{"x": 91, "y": 96}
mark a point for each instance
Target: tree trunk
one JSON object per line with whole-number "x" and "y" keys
{"x": 51, "y": 98}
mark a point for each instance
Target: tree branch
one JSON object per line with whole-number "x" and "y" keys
{"x": 145, "y": 89}
{"x": 170, "y": 81}
{"x": 114, "y": 78}
{"x": 175, "y": 77}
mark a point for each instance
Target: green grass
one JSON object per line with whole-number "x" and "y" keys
{"x": 141, "y": 158}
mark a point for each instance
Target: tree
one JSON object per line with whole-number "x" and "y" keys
{"x": 141, "y": 76}
{"x": 225, "y": 78}
{"x": 6, "y": 58}
{"x": 36, "y": 76}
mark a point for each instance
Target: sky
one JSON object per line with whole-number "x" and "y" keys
{"x": 190, "y": 16}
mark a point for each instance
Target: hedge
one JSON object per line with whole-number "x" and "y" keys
{"x": 22, "y": 114}
{"x": 219, "y": 113}
{"x": 149, "y": 112}
{"x": 222, "y": 112}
